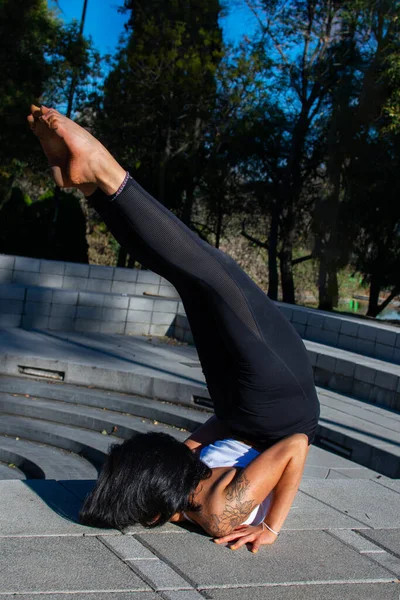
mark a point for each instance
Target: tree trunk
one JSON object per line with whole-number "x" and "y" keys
{"x": 285, "y": 257}
{"x": 374, "y": 292}
{"x": 161, "y": 182}
{"x": 273, "y": 255}
{"x": 220, "y": 216}
{"x": 286, "y": 253}
{"x": 122, "y": 254}
{"x": 131, "y": 261}
{"x": 328, "y": 287}
{"x": 188, "y": 205}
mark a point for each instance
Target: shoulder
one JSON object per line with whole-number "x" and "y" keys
{"x": 224, "y": 502}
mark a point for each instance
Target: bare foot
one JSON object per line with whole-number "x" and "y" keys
{"x": 76, "y": 157}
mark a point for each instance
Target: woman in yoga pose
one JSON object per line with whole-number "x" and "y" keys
{"x": 238, "y": 474}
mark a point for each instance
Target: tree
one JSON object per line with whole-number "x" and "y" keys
{"x": 27, "y": 32}
{"x": 374, "y": 187}
{"x": 161, "y": 91}
{"x": 297, "y": 37}
{"x": 366, "y": 43}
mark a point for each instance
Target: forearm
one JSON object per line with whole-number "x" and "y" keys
{"x": 213, "y": 429}
{"x": 285, "y": 492}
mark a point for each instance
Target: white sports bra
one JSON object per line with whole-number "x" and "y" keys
{"x": 232, "y": 453}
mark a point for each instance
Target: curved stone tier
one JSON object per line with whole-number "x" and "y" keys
{"x": 64, "y": 431}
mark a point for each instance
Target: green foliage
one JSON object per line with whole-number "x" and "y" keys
{"x": 27, "y": 31}
{"x": 73, "y": 61}
{"x": 162, "y": 88}
{"x": 28, "y": 228}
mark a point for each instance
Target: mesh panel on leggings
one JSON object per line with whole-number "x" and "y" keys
{"x": 180, "y": 249}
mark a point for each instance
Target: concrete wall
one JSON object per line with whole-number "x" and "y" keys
{"x": 362, "y": 336}
{"x": 67, "y": 310}
{"x": 105, "y": 286}
{"x": 73, "y": 276}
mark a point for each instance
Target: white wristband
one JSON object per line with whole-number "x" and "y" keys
{"x": 270, "y": 528}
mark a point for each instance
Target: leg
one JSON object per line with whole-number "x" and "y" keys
{"x": 270, "y": 387}
{"x": 213, "y": 353}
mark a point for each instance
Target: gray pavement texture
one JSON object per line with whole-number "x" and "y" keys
{"x": 326, "y": 550}
{"x": 341, "y": 539}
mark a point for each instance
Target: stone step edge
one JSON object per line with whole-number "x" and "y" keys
{"x": 24, "y": 460}
{"x": 189, "y": 421}
{"x": 339, "y": 374}
{"x": 62, "y": 436}
{"x": 342, "y": 354}
{"x": 105, "y": 378}
{"x": 95, "y": 396}
{"x": 41, "y": 294}
{"x": 150, "y": 408}
{"x": 65, "y": 413}
{"x": 361, "y": 451}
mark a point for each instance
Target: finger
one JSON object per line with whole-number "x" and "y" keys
{"x": 242, "y": 542}
{"x": 230, "y": 537}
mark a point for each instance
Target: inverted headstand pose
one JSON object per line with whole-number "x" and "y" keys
{"x": 238, "y": 474}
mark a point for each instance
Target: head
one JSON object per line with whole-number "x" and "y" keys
{"x": 145, "y": 480}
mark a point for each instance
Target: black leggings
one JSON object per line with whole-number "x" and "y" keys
{"x": 255, "y": 364}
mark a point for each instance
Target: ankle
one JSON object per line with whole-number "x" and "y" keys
{"x": 109, "y": 174}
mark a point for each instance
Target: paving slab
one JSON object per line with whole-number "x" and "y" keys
{"x": 392, "y": 484}
{"x": 159, "y": 575}
{"x": 183, "y": 595}
{"x": 357, "y": 541}
{"x": 389, "y": 539}
{"x": 127, "y": 547}
{"x": 343, "y": 591}
{"x": 308, "y": 513}
{"x": 40, "y": 508}
{"x": 63, "y": 564}
{"x": 360, "y": 499}
{"x": 298, "y": 556}
{"x": 88, "y": 596}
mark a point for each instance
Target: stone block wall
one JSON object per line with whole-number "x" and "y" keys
{"x": 362, "y": 336}
{"x": 78, "y": 277}
{"x": 113, "y": 287}
{"x": 68, "y": 310}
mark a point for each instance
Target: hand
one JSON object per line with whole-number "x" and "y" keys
{"x": 254, "y": 536}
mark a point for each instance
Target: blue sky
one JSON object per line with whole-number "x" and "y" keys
{"x": 106, "y": 24}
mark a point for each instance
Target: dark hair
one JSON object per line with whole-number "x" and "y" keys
{"x": 145, "y": 480}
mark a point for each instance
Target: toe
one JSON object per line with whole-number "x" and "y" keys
{"x": 35, "y": 110}
{"x": 31, "y": 121}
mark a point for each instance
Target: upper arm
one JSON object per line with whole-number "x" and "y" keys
{"x": 234, "y": 502}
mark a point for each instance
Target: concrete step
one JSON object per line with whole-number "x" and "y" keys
{"x": 40, "y": 461}
{"x": 7, "y": 472}
{"x": 359, "y": 376}
{"x": 96, "y": 419}
{"x": 137, "y": 365}
{"x": 92, "y": 445}
{"x": 364, "y": 433}
{"x": 139, "y": 406}
{"x": 368, "y": 337}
